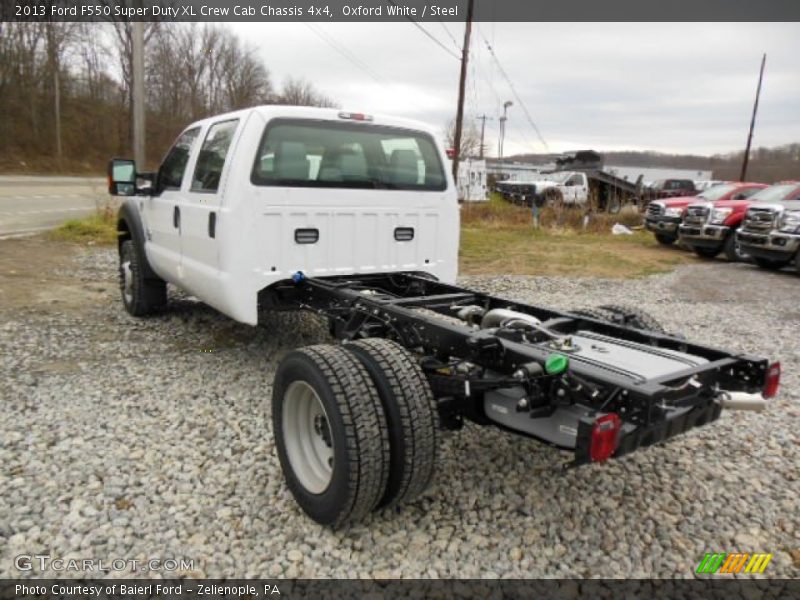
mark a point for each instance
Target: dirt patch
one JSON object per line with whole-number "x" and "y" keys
{"x": 33, "y": 274}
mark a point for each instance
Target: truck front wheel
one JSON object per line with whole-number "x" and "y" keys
{"x": 622, "y": 315}
{"x": 140, "y": 295}
{"x": 331, "y": 434}
{"x": 665, "y": 240}
{"x": 411, "y": 414}
{"x": 732, "y": 249}
{"x": 703, "y": 252}
{"x": 772, "y": 265}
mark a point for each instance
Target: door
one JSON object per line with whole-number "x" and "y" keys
{"x": 162, "y": 213}
{"x": 200, "y": 211}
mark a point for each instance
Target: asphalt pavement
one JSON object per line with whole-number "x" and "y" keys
{"x": 36, "y": 203}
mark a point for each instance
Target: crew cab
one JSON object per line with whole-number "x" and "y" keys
{"x": 354, "y": 218}
{"x": 663, "y": 217}
{"x": 709, "y": 228}
{"x": 770, "y": 232}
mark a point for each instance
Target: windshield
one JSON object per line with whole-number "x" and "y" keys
{"x": 312, "y": 153}
{"x": 717, "y": 192}
{"x": 559, "y": 177}
{"x": 775, "y": 192}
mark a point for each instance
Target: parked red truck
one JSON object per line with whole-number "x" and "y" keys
{"x": 709, "y": 228}
{"x": 664, "y": 216}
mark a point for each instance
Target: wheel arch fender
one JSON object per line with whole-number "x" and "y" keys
{"x": 130, "y": 227}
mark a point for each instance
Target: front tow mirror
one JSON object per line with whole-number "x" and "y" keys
{"x": 122, "y": 177}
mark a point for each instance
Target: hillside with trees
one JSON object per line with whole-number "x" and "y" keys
{"x": 65, "y": 89}
{"x": 766, "y": 164}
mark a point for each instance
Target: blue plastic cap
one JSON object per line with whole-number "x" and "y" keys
{"x": 299, "y": 277}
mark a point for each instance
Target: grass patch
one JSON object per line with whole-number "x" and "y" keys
{"x": 498, "y": 237}
{"x": 98, "y": 228}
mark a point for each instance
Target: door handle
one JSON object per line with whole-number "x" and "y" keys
{"x": 212, "y": 225}
{"x": 176, "y": 217}
{"x": 404, "y": 234}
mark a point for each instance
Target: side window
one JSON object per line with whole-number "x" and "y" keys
{"x": 749, "y": 192}
{"x": 212, "y": 155}
{"x": 170, "y": 174}
{"x": 575, "y": 179}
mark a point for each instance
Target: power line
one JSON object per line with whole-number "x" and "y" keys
{"x": 352, "y": 58}
{"x": 450, "y": 35}
{"x": 521, "y": 142}
{"x": 428, "y": 33}
{"x": 514, "y": 91}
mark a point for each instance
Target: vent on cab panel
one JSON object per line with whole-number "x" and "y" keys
{"x": 306, "y": 236}
{"x": 404, "y": 234}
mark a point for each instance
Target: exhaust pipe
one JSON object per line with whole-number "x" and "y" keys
{"x": 742, "y": 401}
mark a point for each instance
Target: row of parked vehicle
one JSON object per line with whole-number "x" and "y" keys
{"x": 742, "y": 221}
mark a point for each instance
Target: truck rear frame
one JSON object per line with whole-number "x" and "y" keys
{"x": 464, "y": 362}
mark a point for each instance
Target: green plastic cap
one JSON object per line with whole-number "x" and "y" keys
{"x": 555, "y": 364}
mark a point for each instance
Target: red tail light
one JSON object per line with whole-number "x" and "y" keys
{"x": 451, "y": 153}
{"x": 605, "y": 437}
{"x": 773, "y": 380}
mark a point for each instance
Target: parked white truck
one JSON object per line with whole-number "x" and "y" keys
{"x": 355, "y": 218}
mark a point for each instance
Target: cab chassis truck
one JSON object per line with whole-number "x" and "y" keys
{"x": 354, "y": 218}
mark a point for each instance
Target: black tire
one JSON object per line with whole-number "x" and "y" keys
{"x": 411, "y": 414}
{"x": 554, "y": 197}
{"x": 634, "y": 317}
{"x": 356, "y": 427}
{"x": 706, "y": 252}
{"x": 797, "y": 263}
{"x": 772, "y": 265}
{"x": 665, "y": 240}
{"x": 622, "y": 315}
{"x": 732, "y": 250}
{"x": 140, "y": 295}
{"x": 593, "y": 313}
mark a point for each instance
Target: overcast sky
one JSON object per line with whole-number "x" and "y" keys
{"x": 671, "y": 87}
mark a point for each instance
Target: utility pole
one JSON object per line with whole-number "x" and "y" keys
{"x": 483, "y": 119}
{"x": 137, "y": 100}
{"x": 461, "y": 84}
{"x": 503, "y": 120}
{"x": 746, "y": 159}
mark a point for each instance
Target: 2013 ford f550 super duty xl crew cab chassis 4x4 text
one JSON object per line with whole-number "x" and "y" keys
{"x": 355, "y": 218}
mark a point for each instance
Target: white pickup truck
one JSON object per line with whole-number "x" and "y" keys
{"x": 570, "y": 188}
{"x": 354, "y": 217}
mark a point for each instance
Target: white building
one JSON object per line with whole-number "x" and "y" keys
{"x": 472, "y": 180}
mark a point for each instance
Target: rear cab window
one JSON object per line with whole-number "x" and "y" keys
{"x": 316, "y": 153}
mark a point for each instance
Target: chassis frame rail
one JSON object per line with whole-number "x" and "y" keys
{"x": 421, "y": 314}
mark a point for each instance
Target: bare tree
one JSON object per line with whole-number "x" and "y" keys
{"x": 76, "y": 78}
{"x": 470, "y": 137}
{"x": 299, "y": 92}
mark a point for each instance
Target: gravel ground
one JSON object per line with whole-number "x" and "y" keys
{"x": 125, "y": 438}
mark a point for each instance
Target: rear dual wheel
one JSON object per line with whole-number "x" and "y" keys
{"x": 355, "y": 428}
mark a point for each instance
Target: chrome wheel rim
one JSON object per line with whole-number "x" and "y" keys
{"x": 127, "y": 281}
{"x": 307, "y": 436}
